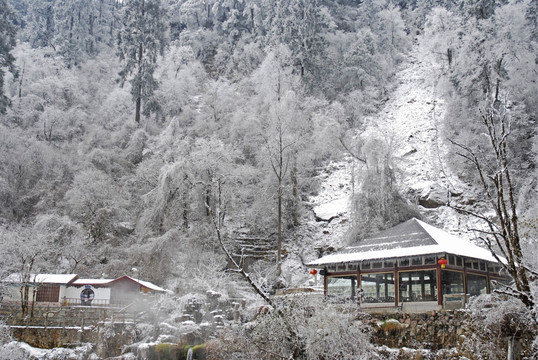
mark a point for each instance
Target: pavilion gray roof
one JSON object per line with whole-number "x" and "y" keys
{"x": 411, "y": 238}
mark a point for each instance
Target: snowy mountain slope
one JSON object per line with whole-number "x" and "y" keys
{"x": 409, "y": 120}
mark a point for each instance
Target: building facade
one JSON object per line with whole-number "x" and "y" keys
{"x": 70, "y": 290}
{"x": 411, "y": 267}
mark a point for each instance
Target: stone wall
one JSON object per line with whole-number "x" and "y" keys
{"x": 108, "y": 339}
{"x": 108, "y": 329}
{"x": 434, "y": 330}
{"x": 437, "y": 331}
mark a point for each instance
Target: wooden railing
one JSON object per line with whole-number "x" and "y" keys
{"x": 78, "y": 302}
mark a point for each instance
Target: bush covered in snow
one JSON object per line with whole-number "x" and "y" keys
{"x": 297, "y": 327}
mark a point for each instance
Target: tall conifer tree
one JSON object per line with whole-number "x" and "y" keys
{"x": 141, "y": 40}
{"x": 7, "y": 43}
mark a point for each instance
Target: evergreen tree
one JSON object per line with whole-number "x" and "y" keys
{"x": 141, "y": 40}
{"x": 40, "y": 19}
{"x": 7, "y": 43}
{"x": 300, "y": 26}
{"x": 74, "y": 20}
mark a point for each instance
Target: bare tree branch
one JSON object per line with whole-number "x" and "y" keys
{"x": 355, "y": 156}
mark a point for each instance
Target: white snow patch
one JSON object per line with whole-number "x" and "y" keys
{"x": 332, "y": 209}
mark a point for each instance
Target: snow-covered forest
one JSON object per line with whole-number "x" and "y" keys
{"x": 136, "y": 133}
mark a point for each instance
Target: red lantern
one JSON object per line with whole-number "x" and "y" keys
{"x": 313, "y": 272}
{"x": 442, "y": 262}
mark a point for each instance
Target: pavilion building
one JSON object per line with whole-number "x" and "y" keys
{"x": 411, "y": 267}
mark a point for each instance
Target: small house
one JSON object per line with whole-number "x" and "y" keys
{"x": 413, "y": 267}
{"x": 109, "y": 292}
{"x": 42, "y": 289}
{"x": 70, "y": 290}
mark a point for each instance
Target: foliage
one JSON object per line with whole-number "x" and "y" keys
{"x": 141, "y": 40}
{"x": 297, "y": 327}
{"x": 499, "y": 324}
{"x": 7, "y": 43}
{"x": 378, "y": 205}
{"x": 250, "y": 100}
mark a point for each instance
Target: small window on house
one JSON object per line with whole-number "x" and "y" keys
{"x": 403, "y": 262}
{"x": 365, "y": 265}
{"x": 388, "y": 263}
{"x": 482, "y": 266}
{"x": 352, "y": 267}
{"x": 459, "y": 261}
{"x": 468, "y": 263}
{"x": 451, "y": 260}
{"x": 416, "y": 261}
{"x": 377, "y": 265}
{"x": 476, "y": 265}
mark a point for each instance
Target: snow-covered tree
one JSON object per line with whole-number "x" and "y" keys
{"x": 298, "y": 328}
{"x": 7, "y": 43}
{"x": 142, "y": 39}
{"x": 491, "y": 158}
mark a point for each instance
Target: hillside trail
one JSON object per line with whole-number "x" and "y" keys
{"x": 409, "y": 121}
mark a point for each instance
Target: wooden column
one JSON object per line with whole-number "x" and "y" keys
{"x": 488, "y": 281}
{"x": 464, "y": 278}
{"x": 396, "y": 284}
{"x": 359, "y": 285}
{"x": 325, "y": 282}
{"x": 439, "y": 286}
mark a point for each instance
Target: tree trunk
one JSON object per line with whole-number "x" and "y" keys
{"x": 295, "y": 192}
{"x": 137, "y": 111}
{"x": 279, "y": 240}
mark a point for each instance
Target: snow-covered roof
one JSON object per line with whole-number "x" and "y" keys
{"x": 411, "y": 238}
{"x": 146, "y": 284}
{"x": 91, "y": 281}
{"x": 72, "y": 279}
{"x": 43, "y": 278}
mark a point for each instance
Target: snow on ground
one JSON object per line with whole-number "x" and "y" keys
{"x": 410, "y": 118}
{"x": 16, "y": 350}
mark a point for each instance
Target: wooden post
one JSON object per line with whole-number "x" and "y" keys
{"x": 488, "y": 281}
{"x": 325, "y": 283}
{"x": 464, "y": 278}
{"x": 439, "y": 286}
{"x": 359, "y": 285}
{"x": 396, "y": 284}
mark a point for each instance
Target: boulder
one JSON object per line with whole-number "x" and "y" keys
{"x": 433, "y": 195}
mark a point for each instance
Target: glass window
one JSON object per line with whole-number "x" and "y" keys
{"x": 341, "y": 289}
{"x": 365, "y": 265}
{"x": 459, "y": 261}
{"x": 494, "y": 269}
{"x": 352, "y": 267}
{"x": 377, "y": 265}
{"x": 377, "y": 288}
{"x": 416, "y": 261}
{"x": 468, "y": 263}
{"x": 404, "y": 262}
{"x": 428, "y": 260}
{"x": 452, "y": 282}
{"x": 451, "y": 260}
{"x": 418, "y": 285}
{"x": 476, "y": 284}
{"x": 388, "y": 263}
{"x": 482, "y": 266}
